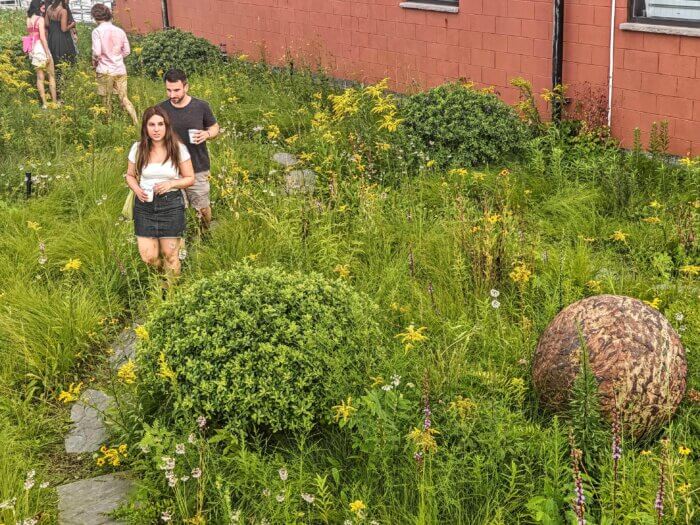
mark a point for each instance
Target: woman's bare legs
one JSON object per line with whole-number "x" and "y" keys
{"x": 52, "y": 81}
{"x": 170, "y": 251}
{"x": 40, "y": 86}
{"x": 148, "y": 249}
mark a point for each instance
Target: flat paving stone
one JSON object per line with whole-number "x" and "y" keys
{"x": 124, "y": 348}
{"x": 88, "y": 431}
{"x": 89, "y": 501}
{"x": 285, "y": 159}
{"x": 300, "y": 181}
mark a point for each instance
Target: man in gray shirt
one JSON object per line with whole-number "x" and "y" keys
{"x": 194, "y": 122}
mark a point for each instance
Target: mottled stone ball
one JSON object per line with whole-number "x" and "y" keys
{"x": 633, "y": 351}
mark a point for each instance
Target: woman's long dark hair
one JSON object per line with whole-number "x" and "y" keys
{"x": 172, "y": 144}
{"x": 56, "y": 3}
{"x": 35, "y": 8}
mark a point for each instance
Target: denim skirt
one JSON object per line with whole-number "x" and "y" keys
{"x": 161, "y": 219}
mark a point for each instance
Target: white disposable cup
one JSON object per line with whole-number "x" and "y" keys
{"x": 149, "y": 194}
{"x": 191, "y": 132}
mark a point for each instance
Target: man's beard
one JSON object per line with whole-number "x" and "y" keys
{"x": 177, "y": 100}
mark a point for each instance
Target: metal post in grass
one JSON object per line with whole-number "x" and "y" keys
{"x": 223, "y": 51}
{"x": 28, "y": 183}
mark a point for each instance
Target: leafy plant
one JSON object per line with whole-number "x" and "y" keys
{"x": 163, "y": 50}
{"x": 258, "y": 348}
{"x": 464, "y": 126}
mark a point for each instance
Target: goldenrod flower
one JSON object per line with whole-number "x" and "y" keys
{"x": 127, "y": 372}
{"x": 273, "y": 132}
{"x": 377, "y": 381}
{"x": 651, "y": 220}
{"x": 654, "y": 303}
{"x": 412, "y": 335}
{"x": 343, "y": 271}
{"x": 684, "y": 488}
{"x": 72, "y": 265}
{"x": 619, "y": 236}
{"x": 520, "y": 274}
{"x": 690, "y": 269}
{"x": 463, "y": 406}
{"x": 594, "y": 286}
{"x": 72, "y": 394}
{"x": 357, "y": 506}
{"x": 423, "y": 439}
{"x": 645, "y": 452}
{"x": 164, "y": 368}
{"x": 141, "y": 333}
{"x": 344, "y": 410}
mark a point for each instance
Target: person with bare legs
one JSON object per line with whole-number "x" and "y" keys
{"x": 109, "y": 48}
{"x": 195, "y": 124}
{"x": 37, "y": 47}
{"x": 159, "y": 168}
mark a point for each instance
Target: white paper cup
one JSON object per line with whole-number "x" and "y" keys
{"x": 149, "y": 194}
{"x": 191, "y": 133}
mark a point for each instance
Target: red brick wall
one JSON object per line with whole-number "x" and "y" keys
{"x": 657, "y": 77}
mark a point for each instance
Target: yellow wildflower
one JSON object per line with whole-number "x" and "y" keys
{"x": 242, "y": 58}
{"x": 122, "y": 449}
{"x": 292, "y": 139}
{"x": 342, "y": 270}
{"x": 521, "y": 274}
{"x": 690, "y": 269}
{"x": 651, "y": 220}
{"x": 344, "y": 410}
{"x": 463, "y": 406}
{"x": 684, "y": 488}
{"x": 654, "y": 303}
{"x": 478, "y": 176}
{"x": 377, "y": 381}
{"x": 252, "y": 256}
{"x": 655, "y": 204}
{"x": 645, "y": 452}
{"x": 72, "y": 265}
{"x": 33, "y": 226}
{"x": 357, "y": 506}
{"x": 141, "y": 333}
{"x": 164, "y": 368}
{"x": 127, "y": 372}
{"x": 461, "y": 172}
{"x": 138, "y": 51}
{"x": 273, "y": 132}
{"x": 423, "y": 439}
{"x": 383, "y": 146}
{"x": 430, "y": 163}
{"x": 619, "y": 236}
{"x": 72, "y": 394}
{"x": 412, "y": 335}
{"x": 492, "y": 219}
{"x": 684, "y": 451}
{"x": 594, "y": 286}
{"x": 100, "y": 462}
{"x": 504, "y": 172}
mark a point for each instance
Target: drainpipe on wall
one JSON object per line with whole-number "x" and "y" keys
{"x": 612, "y": 59}
{"x": 557, "y": 55}
{"x": 166, "y": 18}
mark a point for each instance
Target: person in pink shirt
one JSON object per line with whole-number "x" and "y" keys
{"x": 109, "y": 48}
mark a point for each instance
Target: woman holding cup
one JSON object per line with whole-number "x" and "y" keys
{"x": 159, "y": 167}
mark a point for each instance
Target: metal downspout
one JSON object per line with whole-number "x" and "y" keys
{"x": 612, "y": 61}
{"x": 557, "y": 55}
{"x": 166, "y": 18}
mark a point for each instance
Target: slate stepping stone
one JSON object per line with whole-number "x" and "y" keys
{"x": 89, "y": 431}
{"x": 124, "y": 348}
{"x": 89, "y": 501}
{"x": 300, "y": 181}
{"x": 285, "y": 159}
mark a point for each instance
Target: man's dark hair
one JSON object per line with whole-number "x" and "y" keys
{"x": 101, "y": 13}
{"x": 175, "y": 75}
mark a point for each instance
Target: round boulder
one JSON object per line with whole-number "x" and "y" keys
{"x": 633, "y": 351}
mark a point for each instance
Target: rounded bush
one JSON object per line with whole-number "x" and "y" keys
{"x": 460, "y": 125}
{"x": 258, "y": 349}
{"x": 173, "y": 48}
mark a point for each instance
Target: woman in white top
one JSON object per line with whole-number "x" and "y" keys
{"x": 38, "y": 51}
{"x": 159, "y": 167}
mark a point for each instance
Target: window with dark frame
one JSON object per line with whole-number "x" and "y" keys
{"x": 449, "y": 3}
{"x": 685, "y": 13}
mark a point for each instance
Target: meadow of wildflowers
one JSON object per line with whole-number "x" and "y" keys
{"x": 467, "y": 266}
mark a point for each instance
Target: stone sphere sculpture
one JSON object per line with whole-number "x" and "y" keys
{"x": 634, "y": 353}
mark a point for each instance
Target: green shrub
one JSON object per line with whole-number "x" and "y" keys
{"x": 163, "y": 50}
{"x": 462, "y": 126}
{"x": 258, "y": 348}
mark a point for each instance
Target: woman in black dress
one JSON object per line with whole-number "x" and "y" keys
{"x": 60, "y": 39}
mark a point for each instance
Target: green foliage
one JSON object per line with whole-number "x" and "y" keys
{"x": 459, "y": 125}
{"x": 260, "y": 348}
{"x": 174, "y": 48}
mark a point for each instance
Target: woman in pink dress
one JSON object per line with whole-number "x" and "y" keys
{"x": 39, "y": 53}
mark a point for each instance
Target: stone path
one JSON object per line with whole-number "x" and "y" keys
{"x": 88, "y": 431}
{"x": 90, "y": 501}
{"x": 296, "y": 181}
